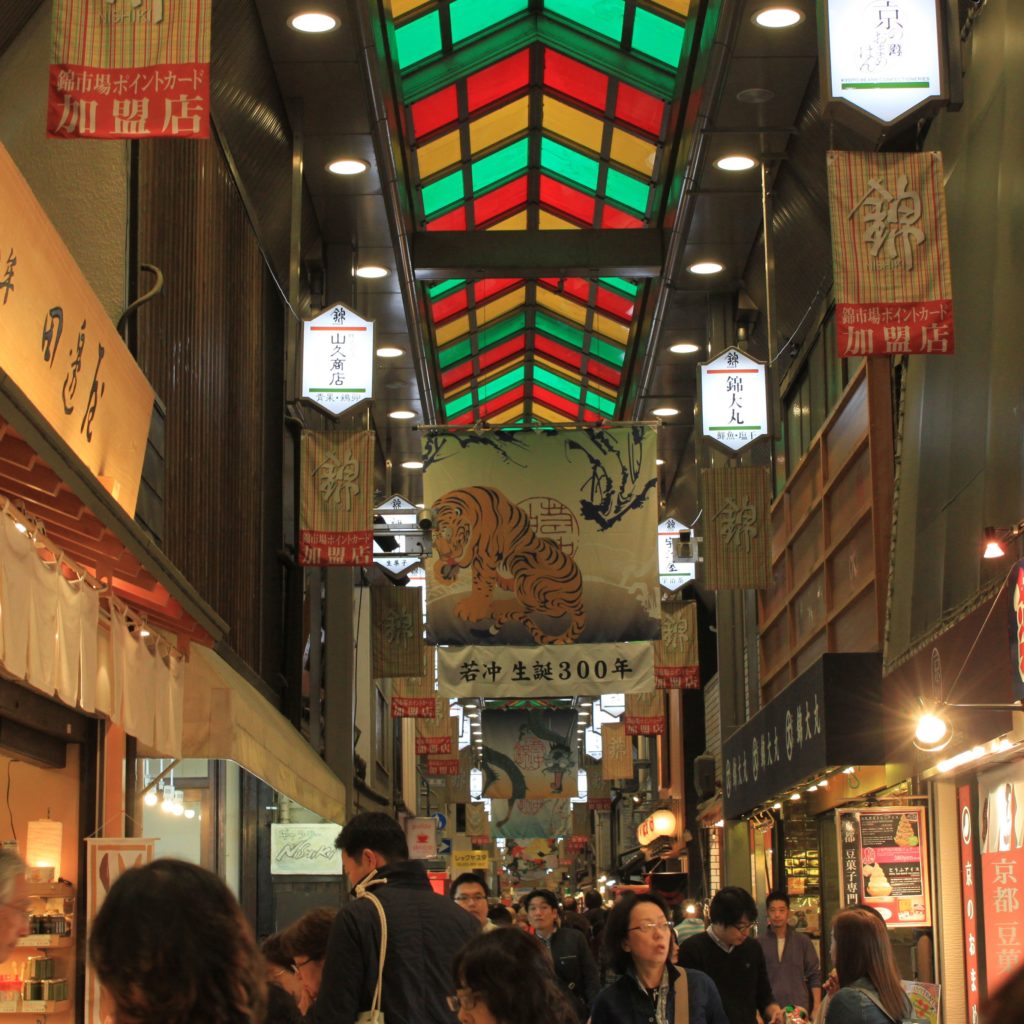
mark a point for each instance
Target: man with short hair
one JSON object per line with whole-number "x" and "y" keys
{"x": 793, "y": 967}
{"x": 13, "y": 902}
{"x": 470, "y": 892}
{"x": 425, "y": 931}
{"x": 734, "y": 961}
{"x": 574, "y": 966}
{"x": 572, "y": 918}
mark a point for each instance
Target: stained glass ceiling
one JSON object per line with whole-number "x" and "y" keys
{"x": 535, "y": 115}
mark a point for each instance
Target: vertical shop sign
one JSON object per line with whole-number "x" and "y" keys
{"x": 890, "y": 254}
{"x": 599, "y": 792}
{"x": 734, "y": 399}
{"x": 129, "y": 69}
{"x": 617, "y": 748}
{"x": 676, "y": 657}
{"x": 437, "y": 735}
{"x": 336, "y": 498}
{"x": 645, "y": 714}
{"x": 413, "y": 697}
{"x": 337, "y": 360}
{"x": 849, "y": 858}
{"x": 738, "y": 531}
{"x": 396, "y": 615}
{"x": 421, "y": 835}
{"x": 1016, "y": 610}
{"x": 970, "y": 902}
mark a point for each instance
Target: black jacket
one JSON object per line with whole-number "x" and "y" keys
{"x": 575, "y": 967}
{"x": 424, "y": 933}
{"x": 626, "y": 1001}
{"x": 741, "y": 976}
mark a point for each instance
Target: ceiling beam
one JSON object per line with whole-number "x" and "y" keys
{"x": 630, "y": 253}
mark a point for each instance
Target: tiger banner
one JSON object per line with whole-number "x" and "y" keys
{"x": 645, "y": 714}
{"x": 530, "y": 819}
{"x": 617, "y": 747}
{"x": 396, "y": 616}
{"x": 541, "y": 542}
{"x": 129, "y": 69}
{"x": 413, "y": 697}
{"x": 737, "y": 534}
{"x": 529, "y": 754}
{"x": 890, "y": 254}
{"x": 438, "y": 735}
{"x": 336, "y": 498}
{"x": 599, "y": 793}
{"x": 676, "y": 657}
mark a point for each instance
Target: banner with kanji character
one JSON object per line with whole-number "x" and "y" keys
{"x": 450, "y": 784}
{"x": 890, "y": 254}
{"x": 599, "y": 793}
{"x": 737, "y": 531}
{"x": 616, "y": 753}
{"x": 477, "y": 822}
{"x": 529, "y": 819}
{"x": 676, "y": 657}
{"x": 438, "y": 735}
{"x": 581, "y": 821}
{"x": 529, "y": 754}
{"x": 413, "y": 697}
{"x": 129, "y": 69}
{"x": 396, "y": 617}
{"x": 645, "y": 714}
{"x": 550, "y": 671}
{"x": 336, "y": 498}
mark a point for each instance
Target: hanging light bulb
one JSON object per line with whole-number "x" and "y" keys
{"x": 151, "y": 799}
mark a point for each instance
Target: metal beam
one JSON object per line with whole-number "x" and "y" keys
{"x": 630, "y": 253}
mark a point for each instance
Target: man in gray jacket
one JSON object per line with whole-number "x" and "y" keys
{"x": 425, "y": 931}
{"x": 793, "y": 966}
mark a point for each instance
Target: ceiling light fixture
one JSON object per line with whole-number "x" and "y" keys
{"x": 933, "y": 729}
{"x": 347, "y": 166}
{"x": 369, "y": 271}
{"x": 705, "y": 267}
{"x": 313, "y": 22}
{"x": 390, "y": 352}
{"x": 735, "y": 162}
{"x": 412, "y": 464}
{"x": 778, "y": 17}
{"x": 402, "y": 414}
{"x": 665, "y": 410}
{"x": 996, "y": 539}
{"x": 684, "y": 348}
{"x": 755, "y": 94}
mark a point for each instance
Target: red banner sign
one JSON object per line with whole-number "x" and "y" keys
{"x": 969, "y": 898}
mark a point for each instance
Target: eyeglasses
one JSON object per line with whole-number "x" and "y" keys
{"x": 463, "y": 1002}
{"x": 299, "y": 966}
{"x": 744, "y": 926}
{"x": 470, "y": 899}
{"x": 651, "y": 926}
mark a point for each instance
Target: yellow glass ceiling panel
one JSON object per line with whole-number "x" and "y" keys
{"x": 439, "y": 154}
{"x": 549, "y": 222}
{"x": 676, "y": 6}
{"x": 611, "y": 328}
{"x": 604, "y": 389}
{"x": 556, "y": 367}
{"x": 500, "y": 306}
{"x": 572, "y": 124}
{"x": 453, "y": 329}
{"x": 517, "y": 222}
{"x": 500, "y": 369}
{"x": 401, "y": 7}
{"x": 562, "y": 306}
{"x": 510, "y": 415}
{"x": 499, "y": 124}
{"x": 633, "y": 152}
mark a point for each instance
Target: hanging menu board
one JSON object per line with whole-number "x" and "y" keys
{"x": 883, "y": 862}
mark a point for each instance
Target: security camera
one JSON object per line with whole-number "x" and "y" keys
{"x": 425, "y": 519}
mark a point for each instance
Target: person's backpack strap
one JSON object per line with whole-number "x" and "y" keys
{"x": 682, "y": 998}
{"x": 374, "y": 1014}
{"x": 874, "y": 999}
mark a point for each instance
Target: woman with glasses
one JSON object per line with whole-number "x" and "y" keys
{"x": 286, "y": 999}
{"x": 505, "y": 976}
{"x": 638, "y": 938}
{"x": 305, "y": 941}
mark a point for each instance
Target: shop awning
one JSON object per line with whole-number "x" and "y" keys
{"x": 224, "y": 717}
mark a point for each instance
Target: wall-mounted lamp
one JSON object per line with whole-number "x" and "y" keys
{"x": 42, "y": 849}
{"x": 933, "y": 730}
{"x": 996, "y": 539}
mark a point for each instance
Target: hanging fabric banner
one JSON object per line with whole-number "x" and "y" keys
{"x": 581, "y": 821}
{"x": 477, "y": 822}
{"x": 453, "y": 786}
{"x": 396, "y": 615}
{"x": 529, "y": 819}
{"x": 529, "y": 754}
{"x": 413, "y": 697}
{"x": 890, "y": 254}
{"x": 617, "y": 760}
{"x": 129, "y": 69}
{"x": 676, "y": 658}
{"x": 442, "y": 764}
{"x": 737, "y": 545}
{"x": 336, "y": 498}
{"x": 438, "y": 735}
{"x": 645, "y": 714}
{"x": 599, "y": 793}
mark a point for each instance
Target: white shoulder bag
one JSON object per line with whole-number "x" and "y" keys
{"x": 375, "y": 1015}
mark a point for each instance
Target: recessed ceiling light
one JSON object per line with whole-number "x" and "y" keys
{"x": 348, "y": 165}
{"x": 402, "y": 414}
{"x": 313, "y": 21}
{"x": 390, "y": 352}
{"x": 755, "y": 95}
{"x": 778, "y": 17}
{"x": 705, "y": 267}
{"x": 659, "y": 462}
{"x": 371, "y": 270}
{"x": 684, "y": 348}
{"x": 665, "y": 410}
{"x": 412, "y": 464}
{"x": 735, "y": 162}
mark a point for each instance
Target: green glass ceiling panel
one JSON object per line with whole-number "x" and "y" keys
{"x": 468, "y": 17}
{"x": 418, "y": 39}
{"x": 498, "y": 332}
{"x": 558, "y": 329}
{"x": 499, "y": 384}
{"x": 443, "y": 193}
{"x": 620, "y": 284}
{"x": 556, "y": 383}
{"x": 602, "y": 16}
{"x": 568, "y": 164}
{"x": 460, "y": 404}
{"x": 455, "y": 353}
{"x": 613, "y": 354}
{"x": 627, "y": 191}
{"x": 603, "y": 405}
{"x": 498, "y": 166}
{"x": 439, "y": 288}
{"x": 657, "y": 37}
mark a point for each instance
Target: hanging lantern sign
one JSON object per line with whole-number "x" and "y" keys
{"x": 733, "y": 399}
{"x": 337, "y": 360}
{"x": 673, "y": 572}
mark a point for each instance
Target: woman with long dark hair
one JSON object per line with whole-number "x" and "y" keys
{"x": 869, "y": 983}
{"x": 505, "y": 976}
{"x": 170, "y": 946}
{"x": 638, "y": 940}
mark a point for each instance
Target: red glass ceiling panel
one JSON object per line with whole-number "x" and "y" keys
{"x": 442, "y": 309}
{"x": 498, "y": 80}
{"x": 617, "y": 305}
{"x": 498, "y": 354}
{"x": 434, "y": 111}
{"x": 640, "y": 109}
{"x": 562, "y": 405}
{"x": 489, "y": 287}
{"x": 563, "y": 199}
{"x": 574, "y": 79}
{"x": 456, "y": 375}
{"x": 452, "y": 221}
{"x": 499, "y": 202}
{"x": 463, "y": 418}
{"x": 604, "y": 372}
{"x": 613, "y": 217}
{"x": 495, "y": 405}
{"x": 567, "y": 356}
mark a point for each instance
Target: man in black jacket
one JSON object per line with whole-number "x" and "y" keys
{"x": 575, "y": 967}
{"x": 425, "y": 931}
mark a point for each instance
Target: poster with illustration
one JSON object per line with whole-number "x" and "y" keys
{"x": 529, "y": 754}
{"x": 530, "y": 819}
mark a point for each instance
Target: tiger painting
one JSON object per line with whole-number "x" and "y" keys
{"x": 479, "y": 528}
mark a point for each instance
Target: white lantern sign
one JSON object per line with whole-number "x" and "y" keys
{"x": 337, "y": 360}
{"x": 673, "y": 572}
{"x": 734, "y": 399}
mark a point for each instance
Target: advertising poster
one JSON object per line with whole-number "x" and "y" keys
{"x": 529, "y": 754}
{"x": 924, "y": 1000}
{"x": 421, "y": 835}
{"x": 530, "y": 819}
